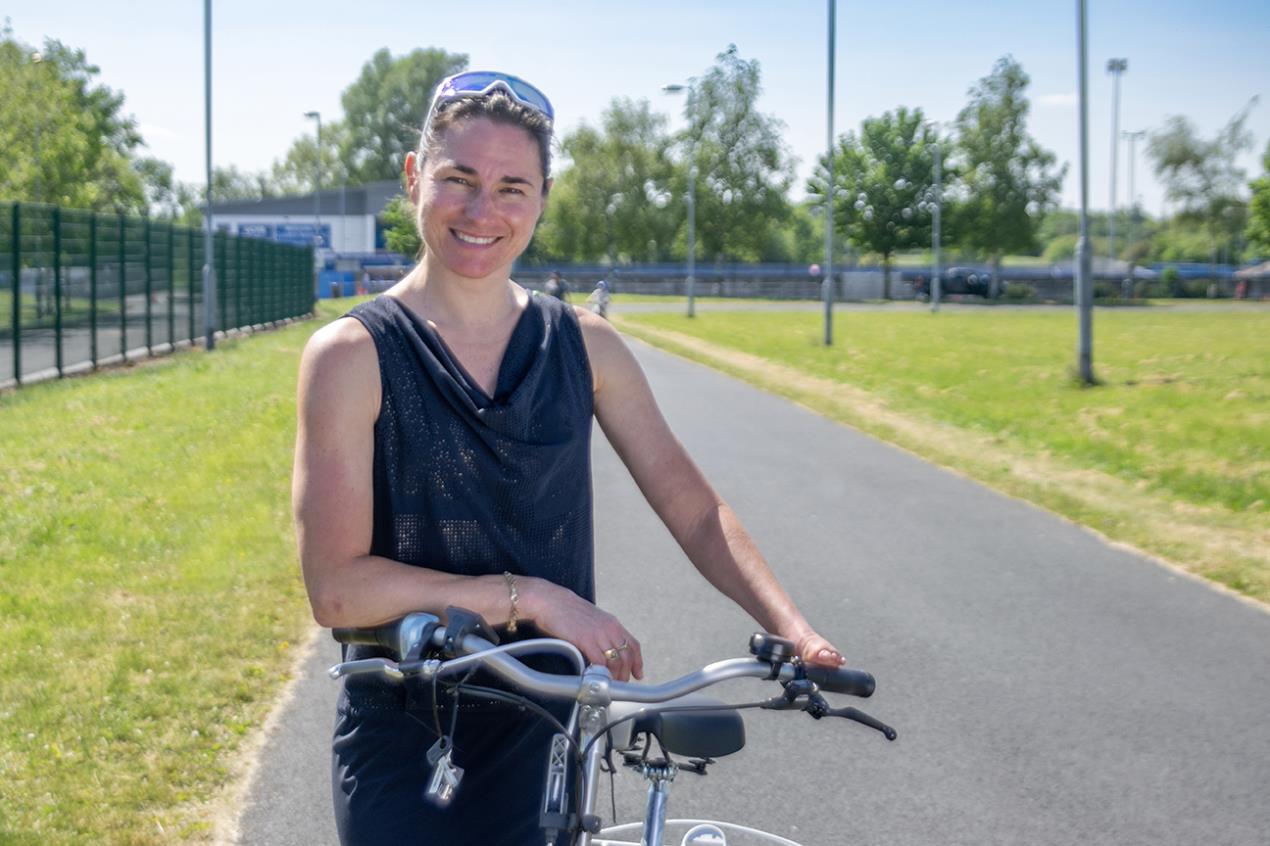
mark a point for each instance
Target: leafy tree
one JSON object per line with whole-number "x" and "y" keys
{"x": 63, "y": 138}
{"x": 614, "y": 199}
{"x": 1202, "y": 176}
{"x": 1258, "y": 231}
{"x": 743, "y": 167}
{"x": 401, "y": 235}
{"x": 1007, "y": 181}
{"x": 230, "y": 183}
{"x": 384, "y": 110}
{"x": 293, "y": 174}
{"x": 884, "y": 185}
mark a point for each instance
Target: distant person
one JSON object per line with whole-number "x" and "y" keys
{"x": 599, "y": 299}
{"x": 557, "y": 287}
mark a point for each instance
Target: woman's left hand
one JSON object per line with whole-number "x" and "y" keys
{"x": 814, "y": 649}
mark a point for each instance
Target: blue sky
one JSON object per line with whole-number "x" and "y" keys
{"x": 276, "y": 59}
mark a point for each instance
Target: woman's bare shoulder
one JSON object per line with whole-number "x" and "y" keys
{"x": 341, "y": 355}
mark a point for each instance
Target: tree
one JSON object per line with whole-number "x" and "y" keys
{"x": 1201, "y": 176}
{"x": 1258, "y": 231}
{"x": 293, "y": 174}
{"x": 401, "y": 233}
{"x": 883, "y": 185}
{"x": 1007, "y": 181}
{"x": 63, "y": 138}
{"x": 385, "y": 107}
{"x": 619, "y": 175}
{"x": 743, "y": 167}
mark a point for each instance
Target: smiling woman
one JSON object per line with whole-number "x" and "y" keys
{"x": 443, "y": 459}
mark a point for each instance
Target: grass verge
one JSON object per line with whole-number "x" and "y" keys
{"x": 150, "y": 588}
{"x": 1171, "y": 453}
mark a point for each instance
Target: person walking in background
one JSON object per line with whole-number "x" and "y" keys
{"x": 599, "y": 299}
{"x": 557, "y": 287}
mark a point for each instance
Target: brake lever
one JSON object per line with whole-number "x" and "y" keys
{"x": 863, "y": 719}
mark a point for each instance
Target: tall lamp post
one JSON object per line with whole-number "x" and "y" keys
{"x": 1115, "y": 67}
{"x": 1132, "y": 138}
{"x": 209, "y": 266}
{"x": 692, "y": 204}
{"x": 936, "y": 242}
{"x": 827, "y": 291}
{"x": 317, "y": 183}
{"x": 1084, "y": 282}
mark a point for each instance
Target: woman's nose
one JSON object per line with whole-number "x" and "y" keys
{"x": 479, "y": 204}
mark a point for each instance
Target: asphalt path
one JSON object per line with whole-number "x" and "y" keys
{"x": 1048, "y": 688}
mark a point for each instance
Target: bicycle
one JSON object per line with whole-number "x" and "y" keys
{"x": 692, "y": 731}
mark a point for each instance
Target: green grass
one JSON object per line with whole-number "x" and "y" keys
{"x": 150, "y": 588}
{"x": 1181, "y": 420}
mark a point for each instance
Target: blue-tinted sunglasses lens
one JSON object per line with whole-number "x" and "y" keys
{"x": 479, "y": 82}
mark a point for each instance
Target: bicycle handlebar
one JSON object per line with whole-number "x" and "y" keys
{"x": 501, "y": 661}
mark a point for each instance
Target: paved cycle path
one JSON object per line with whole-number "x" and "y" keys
{"x": 1047, "y": 687}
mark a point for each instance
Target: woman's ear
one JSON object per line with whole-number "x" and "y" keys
{"x": 414, "y": 168}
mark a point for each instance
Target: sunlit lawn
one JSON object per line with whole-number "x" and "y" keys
{"x": 149, "y": 591}
{"x": 1182, "y": 414}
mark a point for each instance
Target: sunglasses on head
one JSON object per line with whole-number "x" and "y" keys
{"x": 479, "y": 83}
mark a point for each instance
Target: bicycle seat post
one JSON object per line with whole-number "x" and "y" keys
{"x": 659, "y": 775}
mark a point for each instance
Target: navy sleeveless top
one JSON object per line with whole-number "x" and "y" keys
{"x": 472, "y": 484}
{"x": 475, "y": 485}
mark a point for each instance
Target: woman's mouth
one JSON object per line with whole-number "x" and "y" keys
{"x": 474, "y": 239}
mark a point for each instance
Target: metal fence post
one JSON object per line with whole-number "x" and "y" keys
{"x": 218, "y": 253}
{"x": 149, "y": 256}
{"x": 189, "y": 276}
{"x": 238, "y": 282}
{"x": 17, "y": 293}
{"x": 123, "y": 290}
{"x": 92, "y": 288}
{"x": 57, "y": 286}
{"x": 171, "y": 288}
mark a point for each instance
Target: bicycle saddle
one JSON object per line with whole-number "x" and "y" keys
{"x": 692, "y": 734}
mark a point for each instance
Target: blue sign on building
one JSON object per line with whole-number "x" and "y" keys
{"x": 256, "y": 230}
{"x": 303, "y": 234}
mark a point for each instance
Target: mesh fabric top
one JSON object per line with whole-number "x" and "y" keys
{"x": 474, "y": 485}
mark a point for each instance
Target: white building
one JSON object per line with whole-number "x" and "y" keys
{"x": 347, "y": 218}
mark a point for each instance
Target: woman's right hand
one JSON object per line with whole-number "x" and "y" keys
{"x": 559, "y": 612}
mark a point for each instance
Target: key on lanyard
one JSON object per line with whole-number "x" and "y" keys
{"x": 445, "y": 776}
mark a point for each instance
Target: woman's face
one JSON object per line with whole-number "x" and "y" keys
{"x": 479, "y": 196}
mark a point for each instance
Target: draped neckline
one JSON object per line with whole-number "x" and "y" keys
{"x": 503, "y": 392}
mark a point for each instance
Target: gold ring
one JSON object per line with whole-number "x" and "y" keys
{"x": 613, "y": 653}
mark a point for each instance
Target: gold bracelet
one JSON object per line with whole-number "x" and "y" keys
{"x": 511, "y": 590}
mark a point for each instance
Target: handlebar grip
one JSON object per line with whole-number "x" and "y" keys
{"x": 842, "y": 680}
{"x": 385, "y": 635}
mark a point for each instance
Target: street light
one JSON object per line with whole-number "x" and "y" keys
{"x": 692, "y": 202}
{"x": 936, "y": 243}
{"x": 317, "y": 183}
{"x": 1132, "y": 138}
{"x": 38, "y": 58}
{"x": 1115, "y": 67}
{"x": 1084, "y": 284}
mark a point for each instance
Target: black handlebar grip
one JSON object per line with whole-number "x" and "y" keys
{"x": 385, "y": 635}
{"x": 841, "y": 680}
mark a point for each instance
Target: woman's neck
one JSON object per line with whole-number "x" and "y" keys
{"x": 458, "y": 302}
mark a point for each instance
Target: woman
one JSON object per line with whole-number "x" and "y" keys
{"x": 443, "y": 458}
